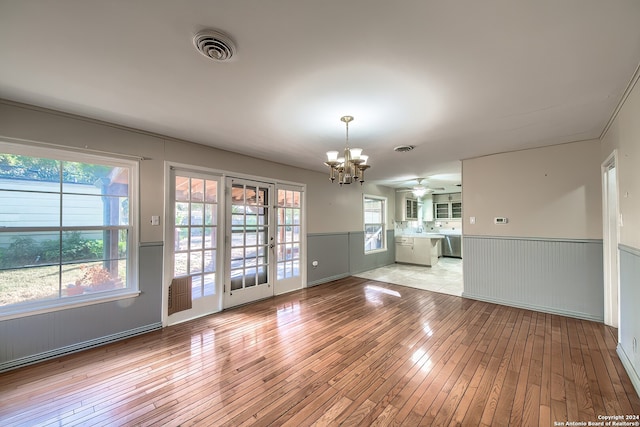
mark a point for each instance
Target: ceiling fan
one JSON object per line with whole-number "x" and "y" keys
{"x": 420, "y": 189}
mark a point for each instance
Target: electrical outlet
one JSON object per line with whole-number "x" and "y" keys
{"x": 472, "y": 220}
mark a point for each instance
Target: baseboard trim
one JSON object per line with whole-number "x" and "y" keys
{"x": 628, "y": 366}
{"x": 51, "y": 354}
{"x": 543, "y": 309}
{"x": 328, "y": 279}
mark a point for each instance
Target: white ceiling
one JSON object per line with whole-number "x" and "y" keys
{"x": 457, "y": 79}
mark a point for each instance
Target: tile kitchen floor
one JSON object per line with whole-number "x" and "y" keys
{"x": 445, "y": 277}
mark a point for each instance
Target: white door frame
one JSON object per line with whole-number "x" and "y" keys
{"x": 232, "y": 298}
{"x": 611, "y": 238}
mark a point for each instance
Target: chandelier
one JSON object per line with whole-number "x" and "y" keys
{"x": 351, "y": 166}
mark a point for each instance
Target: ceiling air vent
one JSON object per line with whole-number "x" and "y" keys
{"x": 403, "y": 148}
{"x": 215, "y": 45}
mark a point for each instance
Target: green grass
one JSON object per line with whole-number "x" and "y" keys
{"x": 40, "y": 283}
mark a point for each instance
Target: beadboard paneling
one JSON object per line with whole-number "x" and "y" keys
{"x": 30, "y": 339}
{"x": 629, "y": 318}
{"x": 550, "y": 275}
{"x": 331, "y": 251}
{"x": 342, "y": 254}
{"x": 359, "y": 261}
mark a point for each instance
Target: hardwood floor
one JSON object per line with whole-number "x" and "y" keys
{"x": 350, "y": 352}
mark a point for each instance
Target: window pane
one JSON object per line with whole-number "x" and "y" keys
{"x": 88, "y": 278}
{"x": 209, "y": 261}
{"x": 209, "y": 284}
{"x": 29, "y": 284}
{"x": 196, "y": 238}
{"x": 182, "y": 188}
{"x": 26, "y": 168}
{"x": 195, "y": 262}
{"x": 210, "y": 236}
{"x": 86, "y": 178}
{"x": 197, "y": 213}
{"x": 85, "y": 210}
{"x": 211, "y": 217}
{"x": 211, "y": 192}
{"x": 181, "y": 213}
{"x": 27, "y": 209}
{"x": 197, "y": 190}
{"x": 180, "y": 265}
{"x": 373, "y": 237}
{"x": 196, "y": 287}
{"x": 181, "y": 238}
{"x": 28, "y": 249}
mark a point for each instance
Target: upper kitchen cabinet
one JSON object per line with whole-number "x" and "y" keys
{"x": 406, "y": 207}
{"x": 447, "y": 206}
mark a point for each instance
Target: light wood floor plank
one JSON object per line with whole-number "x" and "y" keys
{"x": 342, "y": 353}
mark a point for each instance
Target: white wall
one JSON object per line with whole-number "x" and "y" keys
{"x": 326, "y": 202}
{"x": 549, "y": 192}
{"x": 624, "y": 136}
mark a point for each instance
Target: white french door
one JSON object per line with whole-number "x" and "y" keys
{"x": 250, "y": 244}
{"x": 289, "y": 239}
{"x": 193, "y": 221}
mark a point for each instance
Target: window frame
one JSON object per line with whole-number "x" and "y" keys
{"x": 24, "y": 309}
{"x": 383, "y": 224}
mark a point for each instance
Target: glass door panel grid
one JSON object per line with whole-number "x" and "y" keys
{"x": 289, "y": 237}
{"x": 249, "y": 236}
{"x": 195, "y": 232}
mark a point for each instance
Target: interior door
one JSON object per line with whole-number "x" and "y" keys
{"x": 193, "y": 238}
{"x": 250, "y": 241}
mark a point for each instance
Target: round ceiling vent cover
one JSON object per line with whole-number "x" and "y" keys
{"x": 403, "y": 148}
{"x": 215, "y": 45}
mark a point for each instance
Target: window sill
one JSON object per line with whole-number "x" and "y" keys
{"x": 375, "y": 251}
{"x": 58, "y": 305}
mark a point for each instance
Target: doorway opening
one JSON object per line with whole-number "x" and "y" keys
{"x": 611, "y": 236}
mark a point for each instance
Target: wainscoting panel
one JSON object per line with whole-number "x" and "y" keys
{"x": 359, "y": 261}
{"x": 630, "y": 312}
{"x": 31, "y": 339}
{"x": 342, "y": 254}
{"x": 555, "y": 276}
{"x": 331, "y": 251}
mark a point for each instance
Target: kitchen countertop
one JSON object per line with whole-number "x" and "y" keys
{"x": 423, "y": 235}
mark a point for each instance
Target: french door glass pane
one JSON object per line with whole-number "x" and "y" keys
{"x": 288, "y": 243}
{"x": 195, "y": 231}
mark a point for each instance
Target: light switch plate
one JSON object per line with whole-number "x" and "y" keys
{"x": 155, "y": 220}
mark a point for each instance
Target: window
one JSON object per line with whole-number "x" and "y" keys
{"x": 375, "y": 210}
{"x": 67, "y": 233}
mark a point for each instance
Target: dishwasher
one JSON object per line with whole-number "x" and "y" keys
{"x": 452, "y": 246}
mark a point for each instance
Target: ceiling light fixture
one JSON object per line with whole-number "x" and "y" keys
{"x": 350, "y": 168}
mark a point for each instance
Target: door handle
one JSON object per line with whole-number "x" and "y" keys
{"x": 271, "y": 246}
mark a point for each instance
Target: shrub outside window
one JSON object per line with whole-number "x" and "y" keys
{"x": 66, "y": 228}
{"x": 374, "y": 224}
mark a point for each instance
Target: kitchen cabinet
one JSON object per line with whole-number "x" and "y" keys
{"x": 418, "y": 250}
{"x": 447, "y": 206}
{"x": 406, "y": 208}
